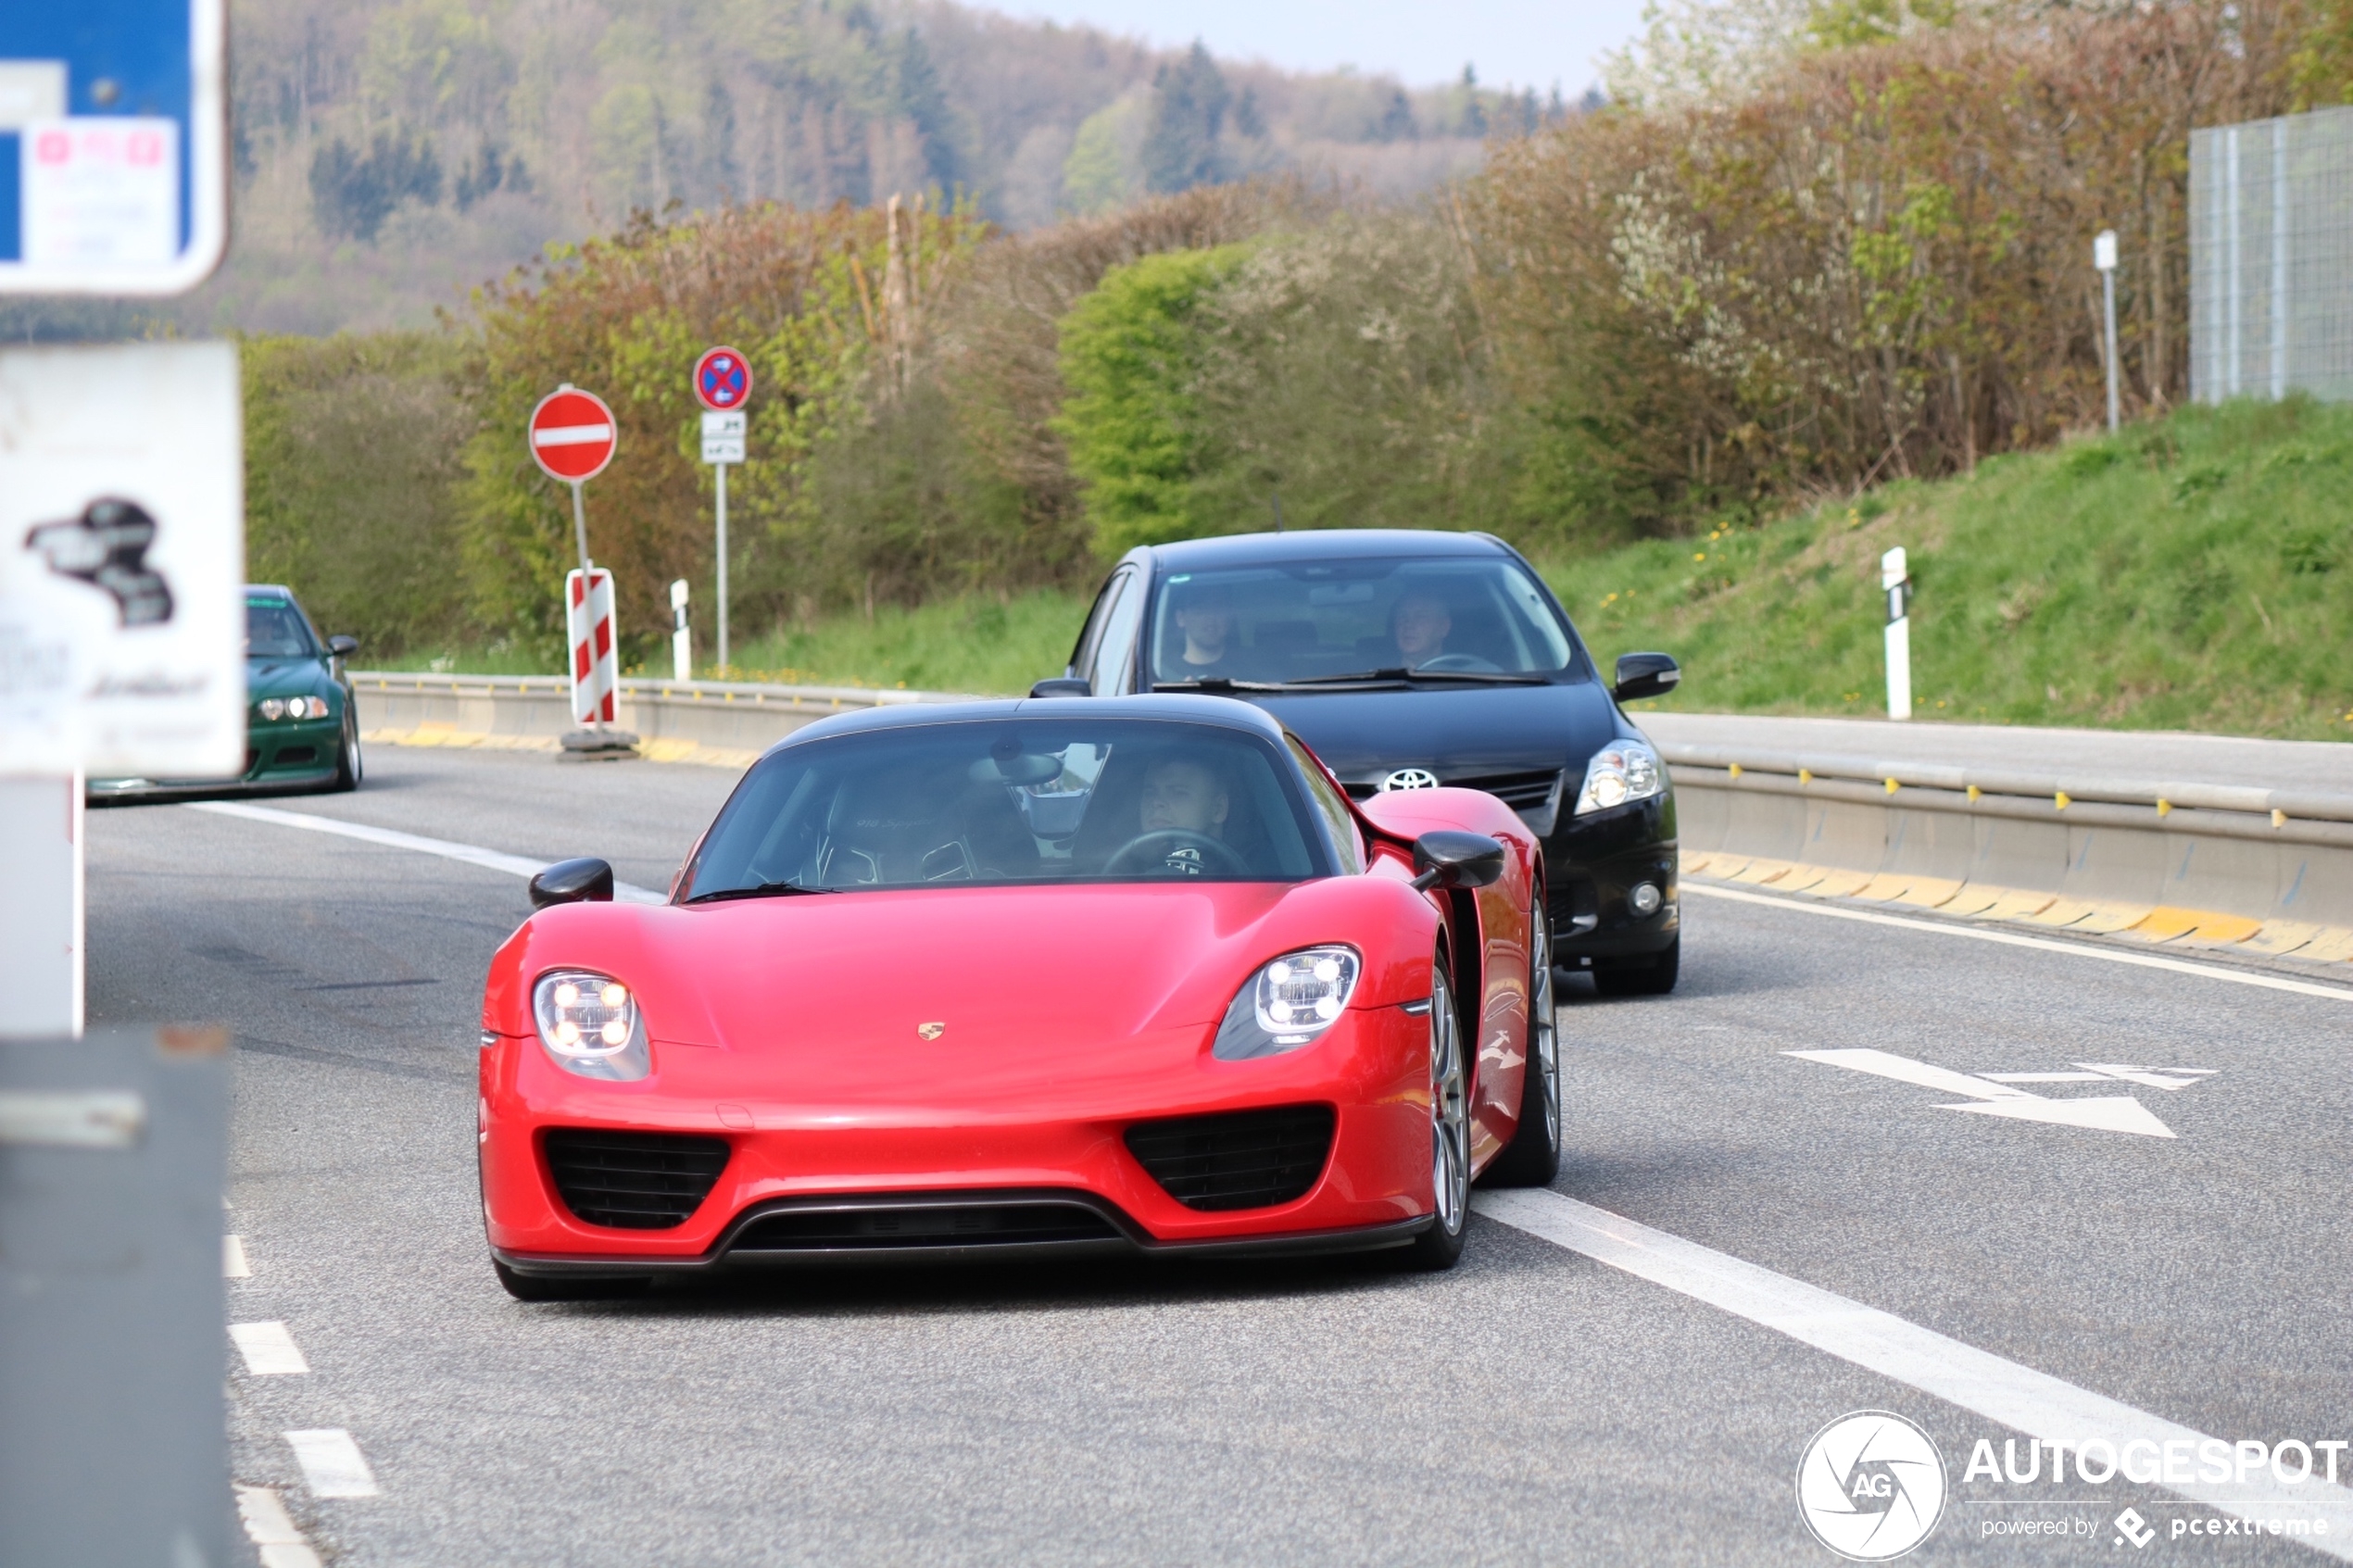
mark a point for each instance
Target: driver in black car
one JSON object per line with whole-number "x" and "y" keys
{"x": 1188, "y": 796}
{"x": 1418, "y": 623}
{"x": 1206, "y": 618}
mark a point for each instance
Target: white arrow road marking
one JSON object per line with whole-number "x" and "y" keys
{"x": 269, "y": 1349}
{"x": 2170, "y": 1078}
{"x": 571, "y": 435}
{"x": 331, "y": 1463}
{"x": 233, "y": 1258}
{"x": 2114, "y": 1113}
{"x": 473, "y": 855}
{"x": 2017, "y": 1397}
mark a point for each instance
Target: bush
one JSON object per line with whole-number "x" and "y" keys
{"x": 351, "y": 470}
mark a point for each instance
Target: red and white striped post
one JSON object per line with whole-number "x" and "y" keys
{"x": 572, "y": 437}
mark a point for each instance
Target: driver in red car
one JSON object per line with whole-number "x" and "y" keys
{"x": 1188, "y": 796}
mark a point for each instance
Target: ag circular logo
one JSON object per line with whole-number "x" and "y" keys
{"x": 1409, "y": 778}
{"x": 1871, "y": 1485}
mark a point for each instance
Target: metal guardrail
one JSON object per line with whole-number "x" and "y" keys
{"x": 2102, "y": 800}
{"x": 725, "y": 693}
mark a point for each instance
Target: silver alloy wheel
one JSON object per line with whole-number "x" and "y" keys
{"x": 1449, "y": 1110}
{"x": 1544, "y": 1031}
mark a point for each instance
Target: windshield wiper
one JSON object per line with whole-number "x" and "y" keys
{"x": 765, "y": 890}
{"x": 1214, "y": 683}
{"x": 1477, "y": 677}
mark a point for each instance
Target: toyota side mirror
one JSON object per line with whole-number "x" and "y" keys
{"x": 1642, "y": 675}
{"x": 585, "y": 881}
{"x": 1446, "y": 858}
{"x": 1063, "y": 685}
{"x": 343, "y": 647}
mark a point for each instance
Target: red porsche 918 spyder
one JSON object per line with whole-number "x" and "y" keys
{"x": 1019, "y": 980}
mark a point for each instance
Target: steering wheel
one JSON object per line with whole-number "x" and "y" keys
{"x": 1159, "y": 851}
{"x": 1469, "y": 663}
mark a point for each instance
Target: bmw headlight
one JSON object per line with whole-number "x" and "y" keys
{"x": 1288, "y": 1003}
{"x": 589, "y": 1022}
{"x": 1620, "y": 772}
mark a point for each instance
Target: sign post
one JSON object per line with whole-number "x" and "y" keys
{"x": 723, "y": 385}
{"x": 2104, "y": 258}
{"x": 572, "y": 437}
{"x": 682, "y": 645}
{"x": 1894, "y": 576}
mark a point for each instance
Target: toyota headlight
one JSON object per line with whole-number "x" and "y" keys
{"x": 1623, "y": 770}
{"x": 589, "y": 1022}
{"x": 1288, "y": 1003}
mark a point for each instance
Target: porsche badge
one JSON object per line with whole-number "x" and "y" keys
{"x": 931, "y": 1031}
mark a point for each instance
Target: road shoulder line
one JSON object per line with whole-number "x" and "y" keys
{"x": 2003, "y": 1391}
{"x": 390, "y": 838}
{"x": 2042, "y": 944}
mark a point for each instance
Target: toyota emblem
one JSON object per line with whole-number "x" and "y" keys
{"x": 1409, "y": 778}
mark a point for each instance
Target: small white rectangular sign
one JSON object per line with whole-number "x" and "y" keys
{"x": 122, "y": 561}
{"x": 717, "y": 427}
{"x": 101, "y": 189}
{"x": 723, "y": 451}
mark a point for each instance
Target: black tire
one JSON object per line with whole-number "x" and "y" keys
{"x": 1440, "y": 1246}
{"x": 349, "y": 766}
{"x": 1640, "y": 977}
{"x": 1534, "y": 1157}
{"x": 564, "y": 1288}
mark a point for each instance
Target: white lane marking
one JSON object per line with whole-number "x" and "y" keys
{"x": 2002, "y": 1391}
{"x": 233, "y": 1258}
{"x": 331, "y": 1463}
{"x": 472, "y": 855}
{"x": 269, "y": 1527}
{"x": 2011, "y": 939}
{"x": 268, "y": 1348}
{"x": 2106, "y": 1113}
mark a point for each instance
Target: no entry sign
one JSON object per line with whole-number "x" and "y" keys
{"x": 572, "y": 435}
{"x": 723, "y": 382}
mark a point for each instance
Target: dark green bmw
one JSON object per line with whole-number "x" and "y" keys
{"x": 302, "y": 730}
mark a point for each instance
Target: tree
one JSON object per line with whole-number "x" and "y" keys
{"x": 1189, "y": 101}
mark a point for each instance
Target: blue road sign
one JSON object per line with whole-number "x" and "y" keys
{"x": 722, "y": 380}
{"x": 113, "y": 145}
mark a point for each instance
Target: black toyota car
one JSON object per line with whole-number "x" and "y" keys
{"x": 1410, "y": 659}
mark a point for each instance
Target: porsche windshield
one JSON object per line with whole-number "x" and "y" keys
{"x": 1011, "y": 801}
{"x": 1456, "y": 620}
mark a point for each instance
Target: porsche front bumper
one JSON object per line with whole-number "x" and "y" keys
{"x": 901, "y": 1178}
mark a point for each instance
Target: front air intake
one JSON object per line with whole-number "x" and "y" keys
{"x": 1242, "y": 1159}
{"x": 895, "y": 1225}
{"x": 632, "y": 1181}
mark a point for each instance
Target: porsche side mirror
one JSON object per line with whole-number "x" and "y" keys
{"x": 1446, "y": 858}
{"x": 1063, "y": 685}
{"x": 343, "y": 647}
{"x": 585, "y": 881}
{"x": 1643, "y": 675}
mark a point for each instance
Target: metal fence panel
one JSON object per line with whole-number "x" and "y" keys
{"x": 2272, "y": 257}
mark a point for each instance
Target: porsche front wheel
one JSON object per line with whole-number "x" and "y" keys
{"x": 1441, "y": 1245}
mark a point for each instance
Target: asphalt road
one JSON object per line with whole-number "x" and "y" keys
{"x": 1532, "y": 1405}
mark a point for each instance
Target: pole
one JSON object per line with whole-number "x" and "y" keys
{"x": 587, "y": 578}
{"x": 2103, "y": 258}
{"x": 41, "y": 922}
{"x": 682, "y": 646}
{"x": 722, "y": 567}
{"x": 1896, "y": 577}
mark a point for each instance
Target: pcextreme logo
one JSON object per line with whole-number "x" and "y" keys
{"x": 1871, "y": 1485}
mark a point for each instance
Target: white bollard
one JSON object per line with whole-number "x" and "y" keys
{"x": 682, "y": 642}
{"x": 1896, "y": 578}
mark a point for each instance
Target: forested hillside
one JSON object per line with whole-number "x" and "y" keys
{"x": 392, "y": 153}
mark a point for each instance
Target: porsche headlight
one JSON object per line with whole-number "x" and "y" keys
{"x": 1288, "y": 1003}
{"x": 589, "y": 1022}
{"x": 1623, "y": 770}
